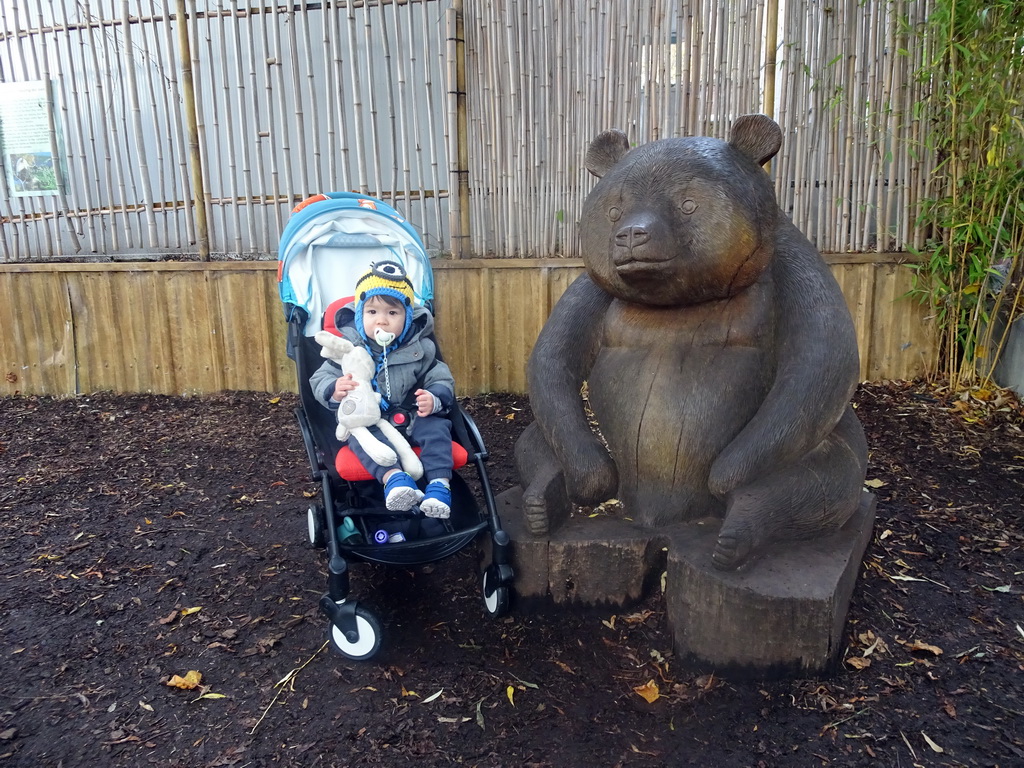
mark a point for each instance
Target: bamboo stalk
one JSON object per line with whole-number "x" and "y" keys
{"x": 371, "y": 100}
{"x": 392, "y": 127}
{"x": 402, "y": 140}
{"x": 287, "y": 122}
{"x": 152, "y": 51}
{"x": 274, "y": 127}
{"x": 243, "y": 105}
{"x": 219, "y": 232}
{"x": 106, "y": 132}
{"x": 436, "y": 170}
{"x": 63, "y": 206}
{"x": 357, "y": 106}
{"x": 188, "y": 96}
{"x": 142, "y": 156}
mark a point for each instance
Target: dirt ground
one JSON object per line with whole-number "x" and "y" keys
{"x": 144, "y": 537}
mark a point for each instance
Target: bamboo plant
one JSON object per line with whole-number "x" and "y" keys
{"x": 971, "y": 269}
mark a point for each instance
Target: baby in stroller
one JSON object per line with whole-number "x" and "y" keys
{"x": 408, "y": 374}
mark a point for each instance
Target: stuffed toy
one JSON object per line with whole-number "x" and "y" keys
{"x": 361, "y": 407}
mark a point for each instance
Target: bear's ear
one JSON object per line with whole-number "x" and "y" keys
{"x": 605, "y": 151}
{"x": 757, "y": 136}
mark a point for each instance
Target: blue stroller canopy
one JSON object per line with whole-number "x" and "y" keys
{"x": 332, "y": 239}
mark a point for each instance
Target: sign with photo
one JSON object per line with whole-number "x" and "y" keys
{"x": 26, "y": 149}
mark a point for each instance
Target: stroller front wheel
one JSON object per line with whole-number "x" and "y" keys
{"x": 360, "y": 644}
{"x": 316, "y": 525}
{"x": 496, "y": 594}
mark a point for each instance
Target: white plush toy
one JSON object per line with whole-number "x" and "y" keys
{"x": 361, "y": 407}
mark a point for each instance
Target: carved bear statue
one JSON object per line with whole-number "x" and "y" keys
{"x": 717, "y": 349}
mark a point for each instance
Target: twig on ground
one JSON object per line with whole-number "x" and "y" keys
{"x": 280, "y": 685}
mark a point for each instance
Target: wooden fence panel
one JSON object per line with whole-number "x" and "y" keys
{"x": 858, "y": 286}
{"x": 118, "y": 344}
{"x": 903, "y": 342}
{"x": 180, "y": 328}
{"x": 37, "y": 342}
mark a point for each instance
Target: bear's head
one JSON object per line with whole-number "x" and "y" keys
{"x": 681, "y": 221}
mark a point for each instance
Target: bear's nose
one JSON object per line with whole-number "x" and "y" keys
{"x": 630, "y": 237}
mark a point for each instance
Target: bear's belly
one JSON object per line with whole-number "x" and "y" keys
{"x": 669, "y": 402}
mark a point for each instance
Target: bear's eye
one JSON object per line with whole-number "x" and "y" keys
{"x": 614, "y": 213}
{"x": 688, "y": 206}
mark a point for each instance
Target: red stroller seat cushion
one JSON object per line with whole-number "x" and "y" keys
{"x": 331, "y": 312}
{"x": 351, "y": 469}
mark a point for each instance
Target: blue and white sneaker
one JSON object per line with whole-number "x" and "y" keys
{"x": 401, "y": 493}
{"x": 437, "y": 501}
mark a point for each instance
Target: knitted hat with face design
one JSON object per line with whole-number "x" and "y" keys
{"x": 385, "y": 278}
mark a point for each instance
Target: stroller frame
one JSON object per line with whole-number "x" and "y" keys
{"x": 353, "y": 631}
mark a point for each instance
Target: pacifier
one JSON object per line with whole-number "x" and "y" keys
{"x": 383, "y": 337}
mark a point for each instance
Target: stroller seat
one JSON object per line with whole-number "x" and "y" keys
{"x": 345, "y": 461}
{"x": 328, "y": 242}
{"x": 349, "y": 467}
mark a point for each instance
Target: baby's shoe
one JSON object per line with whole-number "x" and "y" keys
{"x": 401, "y": 493}
{"x": 437, "y": 501}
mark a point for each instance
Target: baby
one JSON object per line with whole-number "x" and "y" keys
{"x": 382, "y": 318}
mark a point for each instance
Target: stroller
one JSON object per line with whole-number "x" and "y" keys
{"x": 329, "y": 241}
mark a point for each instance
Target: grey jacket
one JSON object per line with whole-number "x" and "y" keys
{"x": 412, "y": 366}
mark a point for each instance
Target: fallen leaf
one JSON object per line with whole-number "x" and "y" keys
{"x": 408, "y": 694}
{"x": 168, "y": 618}
{"x": 1004, "y": 588}
{"x": 433, "y": 696}
{"x": 935, "y": 747}
{"x": 145, "y": 706}
{"x": 874, "y": 483}
{"x": 638, "y": 618}
{"x": 274, "y": 400}
{"x": 191, "y": 680}
{"x": 858, "y": 662}
{"x": 510, "y": 692}
{"x": 917, "y": 645}
{"x": 648, "y": 691}
{"x": 453, "y": 719}
{"x": 212, "y": 696}
{"x": 190, "y": 611}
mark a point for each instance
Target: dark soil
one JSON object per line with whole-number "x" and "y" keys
{"x": 146, "y": 536}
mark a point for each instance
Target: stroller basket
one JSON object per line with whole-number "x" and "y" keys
{"x": 415, "y": 552}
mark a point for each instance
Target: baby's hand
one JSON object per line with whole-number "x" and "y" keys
{"x": 424, "y": 402}
{"x": 343, "y": 386}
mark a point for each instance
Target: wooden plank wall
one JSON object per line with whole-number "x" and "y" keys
{"x": 189, "y": 328}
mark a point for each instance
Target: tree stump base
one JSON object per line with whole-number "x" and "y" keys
{"x": 781, "y": 615}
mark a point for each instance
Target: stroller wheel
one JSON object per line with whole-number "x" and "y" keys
{"x": 367, "y": 640}
{"x": 496, "y": 594}
{"x": 316, "y": 524}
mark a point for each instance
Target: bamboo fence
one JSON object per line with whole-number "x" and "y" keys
{"x": 189, "y": 128}
{"x": 197, "y": 138}
{"x": 838, "y": 77}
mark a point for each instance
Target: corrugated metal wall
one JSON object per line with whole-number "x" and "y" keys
{"x": 190, "y": 328}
